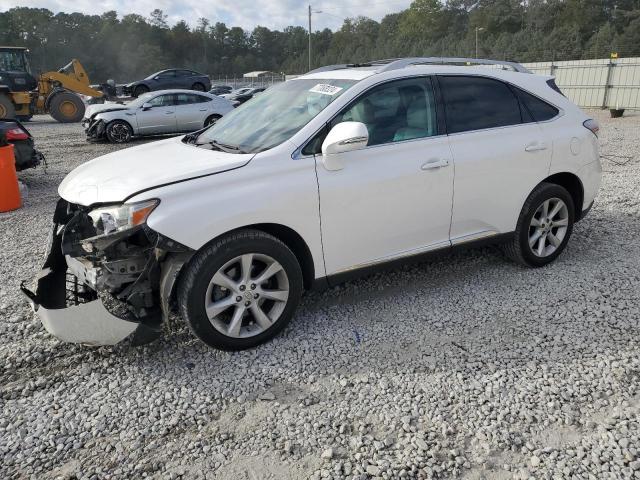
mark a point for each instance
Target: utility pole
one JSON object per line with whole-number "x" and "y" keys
{"x": 478, "y": 29}
{"x": 309, "y": 37}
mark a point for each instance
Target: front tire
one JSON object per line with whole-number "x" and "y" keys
{"x": 241, "y": 290}
{"x": 66, "y": 107}
{"x": 544, "y": 226}
{"x": 7, "y": 109}
{"x": 118, "y": 131}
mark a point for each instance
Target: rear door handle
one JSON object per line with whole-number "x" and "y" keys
{"x": 435, "y": 163}
{"x": 535, "y": 147}
{"x": 168, "y": 113}
{"x": 203, "y": 109}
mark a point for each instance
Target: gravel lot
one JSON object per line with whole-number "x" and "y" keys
{"x": 464, "y": 367}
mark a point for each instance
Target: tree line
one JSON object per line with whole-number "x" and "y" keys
{"x": 133, "y": 46}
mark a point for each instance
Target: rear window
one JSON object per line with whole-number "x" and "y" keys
{"x": 476, "y": 103}
{"x": 537, "y": 108}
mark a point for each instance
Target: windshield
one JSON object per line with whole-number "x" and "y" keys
{"x": 138, "y": 102}
{"x": 154, "y": 75}
{"x": 13, "y": 60}
{"x": 275, "y": 115}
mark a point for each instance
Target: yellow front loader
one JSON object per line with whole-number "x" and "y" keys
{"x": 56, "y": 93}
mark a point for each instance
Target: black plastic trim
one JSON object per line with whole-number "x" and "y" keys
{"x": 324, "y": 283}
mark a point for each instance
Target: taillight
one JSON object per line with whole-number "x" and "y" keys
{"x": 16, "y": 134}
{"x": 592, "y": 125}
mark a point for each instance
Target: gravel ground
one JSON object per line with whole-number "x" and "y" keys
{"x": 464, "y": 367}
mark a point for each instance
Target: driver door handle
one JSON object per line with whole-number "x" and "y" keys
{"x": 435, "y": 163}
{"x": 168, "y": 113}
{"x": 535, "y": 147}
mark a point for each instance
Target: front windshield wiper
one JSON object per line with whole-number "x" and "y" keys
{"x": 225, "y": 147}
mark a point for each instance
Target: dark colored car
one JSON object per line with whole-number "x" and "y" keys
{"x": 168, "y": 79}
{"x": 243, "y": 97}
{"x": 24, "y": 149}
{"x": 221, "y": 89}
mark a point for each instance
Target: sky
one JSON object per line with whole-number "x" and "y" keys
{"x": 274, "y": 14}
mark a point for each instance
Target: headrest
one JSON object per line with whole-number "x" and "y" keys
{"x": 417, "y": 116}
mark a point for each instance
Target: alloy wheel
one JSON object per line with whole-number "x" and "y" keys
{"x": 548, "y": 227}
{"x": 247, "y": 295}
{"x": 119, "y": 133}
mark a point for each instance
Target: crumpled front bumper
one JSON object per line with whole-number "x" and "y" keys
{"x": 94, "y": 129}
{"x": 87, "y": 323}
{"x": 73, "y": 312}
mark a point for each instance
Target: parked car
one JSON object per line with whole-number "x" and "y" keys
{"x": 333, "y": 174}
{"x": 154, "y": 113}
{"x": 241, "y": 98}
{"x": 237, "y": 91}
{"x": 24, "y": 149}
{"x": 167, "y": 79}
{"x": 221, "y": 89}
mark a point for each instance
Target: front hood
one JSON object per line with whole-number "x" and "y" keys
{"x": 103, "y": 108}
{"x": 119, "y": 175}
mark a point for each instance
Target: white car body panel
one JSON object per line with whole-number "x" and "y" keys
{"x": 385, "y": 202}
{"x": 280, "y": 191}
{"x": 118, "y": 175}
{"x": 493, "y": 178}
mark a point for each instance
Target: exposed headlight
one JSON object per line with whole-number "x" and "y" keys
{"x": 116, "y": 218}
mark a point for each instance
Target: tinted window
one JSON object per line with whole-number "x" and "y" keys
{"x": 189, "y": 98}
{"x": 395, "y": 111}
{"x": 169, "y": 74}
{"x": 539, "y": 109}
{"x": 474, "y": 103}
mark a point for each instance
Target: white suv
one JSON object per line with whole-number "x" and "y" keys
{"x": 328, "y": 175}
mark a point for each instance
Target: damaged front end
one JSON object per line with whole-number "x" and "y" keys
{"x": 95, "y": 129}
{"x": 107, "y": 276}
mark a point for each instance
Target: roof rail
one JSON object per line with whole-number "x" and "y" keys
{"x": 394, "y": 64}
{"x": 397, "y": 63}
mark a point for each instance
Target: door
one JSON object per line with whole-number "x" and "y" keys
{"x": 165, "y": 80}
{"x": 191, "y": 111}
{"x": 393, "y": 197}
{"x": 159, "y": 117}
{"x": 500, "y": 155}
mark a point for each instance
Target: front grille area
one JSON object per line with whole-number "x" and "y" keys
{"x": 76, "y": 292}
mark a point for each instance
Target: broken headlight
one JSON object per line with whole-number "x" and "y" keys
{"x": 117, "y": 218}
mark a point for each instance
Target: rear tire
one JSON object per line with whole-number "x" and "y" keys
{"x": 7, "y": 109}
{"x": 118, "y": 131}
{"x": 198, "y": 87}
{"x": 211, "y": 120}
{"x": 544, "y": 226}
{"x": 241, "y": 290}
{"x": 66, "y": 107}
{"x": 140, "y": 90}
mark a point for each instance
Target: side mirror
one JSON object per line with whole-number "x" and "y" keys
{"x": 147, "y": 106}
{"x": 344, "y": 137}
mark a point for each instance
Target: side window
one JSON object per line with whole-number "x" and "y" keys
{"x": 475, "y": 103}
{"x": 162, "y": 101}
{"x": 189, "y": 98}
{"x": 169, "y": 74}
{"x": 395, "y": 111}
{"x": 539, "y": 109}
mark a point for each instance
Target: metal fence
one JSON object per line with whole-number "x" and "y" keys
{"x": 239, "y": 81}
{"x": 601, "y": 83}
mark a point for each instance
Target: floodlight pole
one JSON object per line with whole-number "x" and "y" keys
{"x": 478, "y": 29}
{"x": 309, "y": 37}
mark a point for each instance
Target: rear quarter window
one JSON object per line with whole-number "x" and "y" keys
{"x": 539, "y": 110}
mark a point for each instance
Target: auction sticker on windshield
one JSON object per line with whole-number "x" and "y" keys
{"x": 325, "y": 89}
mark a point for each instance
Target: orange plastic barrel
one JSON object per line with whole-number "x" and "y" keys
{"x": 9, "y": 189}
